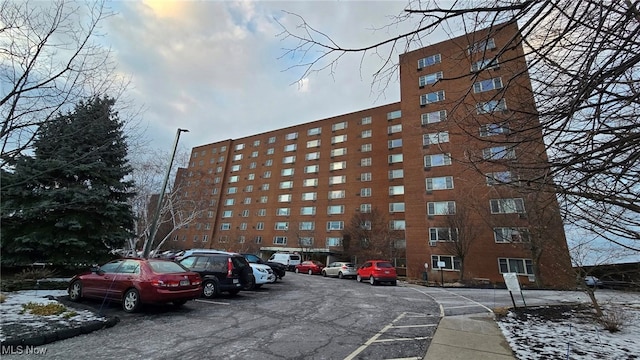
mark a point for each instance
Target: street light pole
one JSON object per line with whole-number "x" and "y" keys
{"x": 154, "y": 224}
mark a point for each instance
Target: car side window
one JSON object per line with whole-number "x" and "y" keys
{"x": 188, "y": 262}
{"x": 200, "y": 263}
{"x": 112, "y": 267}
{"x": 129, "y": 267}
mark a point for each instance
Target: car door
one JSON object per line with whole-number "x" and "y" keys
{"x": 331, "y": 270}
{"x": 126, "y": 276}
{"x": 365, "y": 270}
{"x": 98, "y": 284}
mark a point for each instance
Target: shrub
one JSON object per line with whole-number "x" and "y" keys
{"x": 34, "y": 274}
{"x": 613, "y": 318}
{"x": 43, "y": 309}
{"x": 2, "y": 298}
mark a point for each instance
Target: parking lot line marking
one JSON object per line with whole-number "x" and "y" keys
{"x": 413, "y": 326}
{"x": 211, "y": 302}
{"x": 408, "y": 358}
{"x": 463, "y": 306}
{"x": 403, "y": 339}
{"x": 433, "y": 298}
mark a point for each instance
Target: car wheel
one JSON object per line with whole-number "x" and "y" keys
{"x": 372, "y": 281}
{"x": 251, "y": 283}
{"x": 234, "y": 292}
{"x": 179, "y": 303}
{"x": 297, "y": 271}
{"x": 324, "y": 273}
{"x": 310, "y": 272}
{"x": 340, "y": 276}
{"x": 394, "y": 282}
{"x": 359, "y": 278}
{"x": 131, "y": 301}
{"x": 210, "y": 289}
{"x": 257, "y": 286}
{"x": 75, "y": 291}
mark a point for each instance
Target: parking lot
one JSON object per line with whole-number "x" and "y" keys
{"x": 303, "y": 316}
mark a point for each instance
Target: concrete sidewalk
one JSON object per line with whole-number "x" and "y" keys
{"x": 465, "y": 337}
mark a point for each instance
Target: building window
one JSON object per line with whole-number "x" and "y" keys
{"x": 283, "y": 211}
{"x": 284, "y": 198}
{"x": 338, "y": 152}
{"x": 397, "y": 225}
{"x": 366, "y": 134}
{"x": 511, "y": 235}
{"x": 309, "y": 196}
{"x": 256, "y": 143}
{"x": 281, "y": 225}
{"x": 437, "y": 160}
{"x": 396, "y": 207}
{"x": 335, "y": 225}
{"x": 227, "y": 213}
{"x": 335, "y": 209}
{"x": 485, "y": 64}
{"x": 366, "y": 177}
{"x": 365, "y": 208}
{"x": 236, "y": 168}
{"x": 272, "y": 140}
{"x": 507, "y": 206}
{"x": 289, "y": 159}
{"x": 251, "y": 176}
{"x": 239, "y": 146}
{"x": 245, "y": 213}
{"x": 243, "y": 226}
{"x": 395, "y": 158}
{"x": 338, "y": 139}
{"x": 394, "y": 115}
{"x": 491, "y": 106}
{"x": 439, "y": 183}
{"x": 314, "y": 131}
{"x": 339, "y": 126}
{"x": 260, "y": 226}
{"x": 241, "y": 237}
{"x": 258, "y": 240}
{"x": 441, "y": 234}
{"x": 310, "y": 182}
{"x": 450, "y": 262}
{"x": 209, "y": 214}
{"x": 262, "y": 212}
{"x": 232, "y": 190}
{"x": 365, "y": 147}
{"x": 431, "y": 98}
{"x": 487, "y": 85}
{"x": 291, "y": 136}
{"x": 396, "y": 190}
{"x": 481, "y": 46}
{"x": 338, "y": 165}
{"x": 223, "y": 239}
{"x": 395, "y": 143}
{"x": 519, "y": 266}
{"x": 499, "y": 177}
{"x": 493, "y": 129}
{"x": 225, "y": 226}
{"x": 311, "y": 169}
{"x": 286, "y": 185}
{"x": 312, "y": 156}
{"x": 287, "y": 172}
{"x": 365, "y": 192}
{"x": 340, "y": 179}
{"x": 396, "y": 174}
{"x": 337, "y": 194}
{"x": 313, "y": 143}
{"x": 280, "y": 240}
{"x": 237, "y": 157}
{"x": 435, "y": 138}
{"x": 234, "y": 178}
{"x": 428, "y": 61}
{"x": 267, "y": 174}
{"x": 264, "y": 199}
{"x": 264, "y": 187}
{"x": 229, "y": 202}
{"x": 306, "y": 241}
{"x": 429, "y": 79}
{"x": 308, "y": 210}
{"x": 499, "y": 153}
{"x": 205, "y": 238}
{"x": 270, "y": 151}
{"x": 366, "y": 120}
{"x": 392, "y": 129}
{"x": 307, "y": 226}
{"x": 366, "y": 162}
{"x": 441, "y": 208}
{"x": 207, "y": 226}
{"x": 290, "y": 147}
{"x": 333, "y": 241}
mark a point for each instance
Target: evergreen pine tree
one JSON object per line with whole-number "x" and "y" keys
{"x": 68, "y": 203}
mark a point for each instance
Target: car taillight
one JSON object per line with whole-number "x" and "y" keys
{"x": 164, "y": 284}
{"x": 344, "y": 267}
{"x": 229, "y": 268}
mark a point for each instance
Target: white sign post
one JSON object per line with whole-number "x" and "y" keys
{"x": 441, "y": 266}
{"x": 511, "y": 280}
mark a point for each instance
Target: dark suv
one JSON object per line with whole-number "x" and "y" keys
{"x": 220, "y": 272}
{"x": 278, "y": 269}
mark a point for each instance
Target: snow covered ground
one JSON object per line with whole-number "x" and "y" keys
{"x": 569, "y": 332}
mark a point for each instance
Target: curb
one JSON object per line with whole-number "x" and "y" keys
{"x": 63, "y": 333}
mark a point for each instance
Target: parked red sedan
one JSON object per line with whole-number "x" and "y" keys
{"x": 310, "y": 267}
{"x": 377, "y": 271}
{"x": 137, "y": 281}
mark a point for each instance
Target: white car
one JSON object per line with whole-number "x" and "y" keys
{"x": 263, "y": 275}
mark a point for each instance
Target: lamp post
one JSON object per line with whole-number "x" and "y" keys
{"x": 154, "y": 224}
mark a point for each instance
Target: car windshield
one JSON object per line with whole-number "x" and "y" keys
{"x": 165, "y": 267}
{"x": 348, "y": 265}
{"x": 384, "y": 265}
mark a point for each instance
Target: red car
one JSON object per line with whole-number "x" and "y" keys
{"x": 310, "y": 267}
{"x": 137, "y": 281}
{"x": 377, "y": 271}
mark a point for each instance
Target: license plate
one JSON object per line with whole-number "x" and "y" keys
{"x": 235, "y": 281}
{"x": 386, "y": 271}
{"x": 184, "y": 282}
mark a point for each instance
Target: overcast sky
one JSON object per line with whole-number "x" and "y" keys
{"x": 216, "y": 67}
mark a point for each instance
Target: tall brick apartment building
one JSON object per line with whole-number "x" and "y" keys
{"x": 445, "y": 162}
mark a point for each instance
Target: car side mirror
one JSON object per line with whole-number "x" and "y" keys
{"x": 97, "y": 270}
